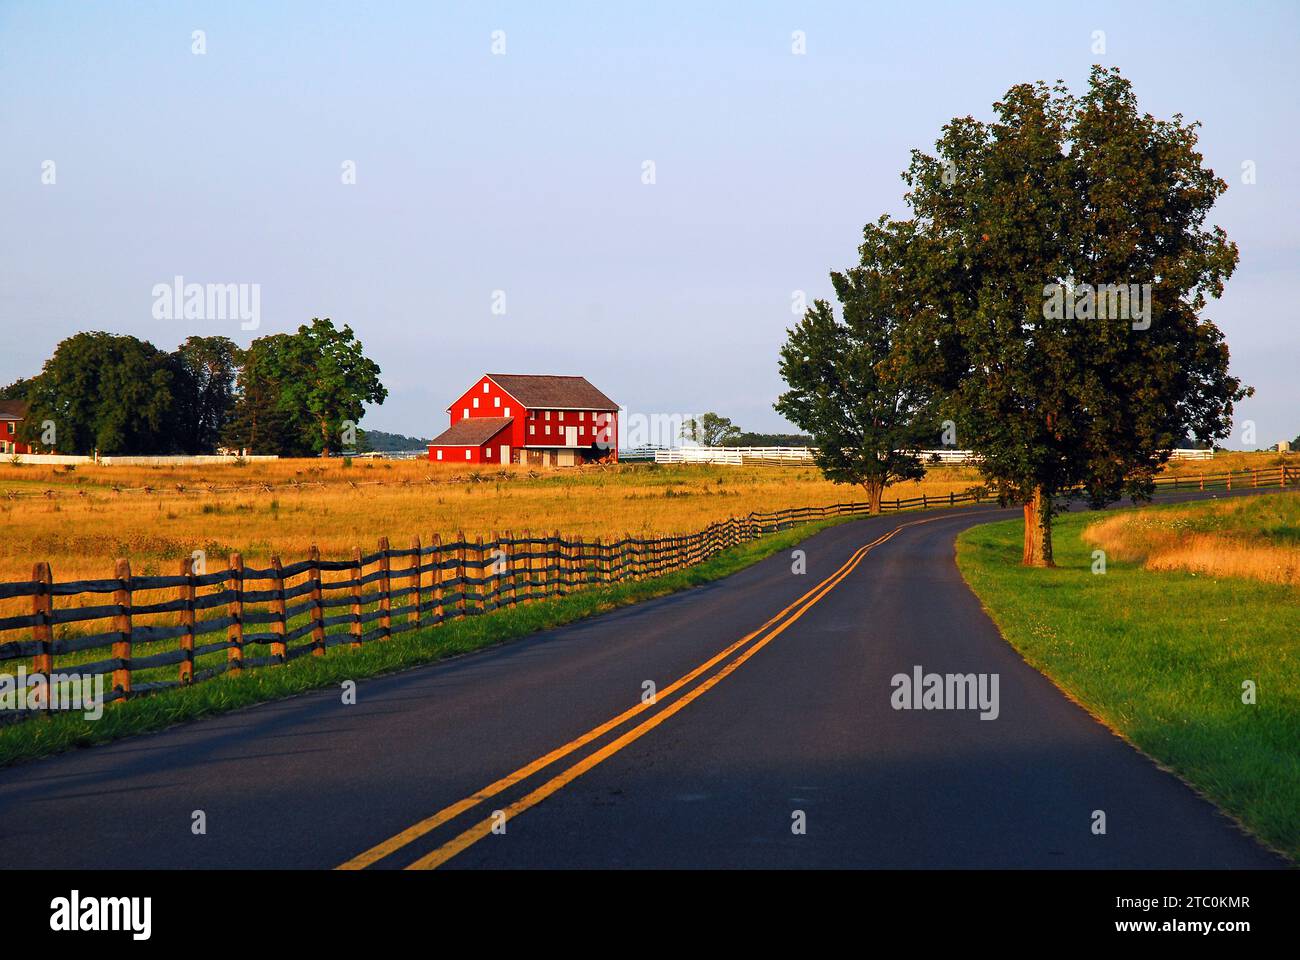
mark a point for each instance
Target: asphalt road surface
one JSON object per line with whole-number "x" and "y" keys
{"x": 770, "y": 713}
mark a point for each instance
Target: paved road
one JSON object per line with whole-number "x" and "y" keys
{"x": 713, "y": 773}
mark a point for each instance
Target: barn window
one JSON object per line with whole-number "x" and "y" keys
{"x": 548, "y": 416}
{"x": 488, "y": 452}
{"x": 496, "y": 401}
{"x": 561, "y": 414}
{"x": 507, "y": 411}
{"x": 476, "y": 403}
{"x": 485, "y": 386}
{"x": 439, "y": 454}
{"x": 532, "y": 429}
{"x": 466, "y": 454}
{"x": 466, "y": 412}
{"x": 582, "y": 415}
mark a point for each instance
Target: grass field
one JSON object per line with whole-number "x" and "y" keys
{"x": 1161, "y": 655}
{"x": 78, "y": 523}
{"x": 1256, "y": 538}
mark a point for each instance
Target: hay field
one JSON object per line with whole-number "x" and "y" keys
{"x": 1254, "y": 539}
{"x": 80, "y": 520}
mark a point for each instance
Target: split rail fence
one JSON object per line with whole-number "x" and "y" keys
{"x": 155, "y": 632}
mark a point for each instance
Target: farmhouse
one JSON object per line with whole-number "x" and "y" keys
{"x": 12, "y": 413}
{"x": 525, "y": 418}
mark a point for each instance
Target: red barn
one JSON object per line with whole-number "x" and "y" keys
{"x": 12, "y": 413}
{"x": 524, "y": 418}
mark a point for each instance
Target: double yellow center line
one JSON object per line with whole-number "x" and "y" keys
{"x": 773, "y": 628}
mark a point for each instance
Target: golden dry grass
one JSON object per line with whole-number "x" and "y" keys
{"x": 1254, "y": 539}
{"x": 79, "y": 524}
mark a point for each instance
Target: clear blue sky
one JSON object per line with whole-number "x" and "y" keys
{"x": 522, "y": 173}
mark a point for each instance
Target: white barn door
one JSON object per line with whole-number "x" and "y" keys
{"x": 570, "y": 436}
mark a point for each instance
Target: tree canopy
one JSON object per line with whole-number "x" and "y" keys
{"x": 710, "y": 430}
{"x": 845, "y": 386}
{"x": 1058, "y": 268}
{"x": 1047, "y": 293}
{"x": 286, "y": 394}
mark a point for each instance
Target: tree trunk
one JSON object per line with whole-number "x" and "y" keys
{"x": 875, "y": 491}
{"x": 1038, "y": 530}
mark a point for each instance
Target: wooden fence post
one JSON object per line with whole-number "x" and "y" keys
{"x": 354, "y": 627}
{"x": 1202, "y": 480}
{"x": 439, "y": 575}
{"x": 385, "y": 591}
{"x": 512, "y": 574}
{"x": 483, "y": 574}
{"x": 317, "y": 604}
{"x": 187, "y": 592}
{"x": 460, "y": 574}
{"x": 235, "y": 608}
{"x": 495, "y": 554}
{"x": 122, "y": 625}
{"x": 42, "y": 631}
{"x": 528, "y": 566}
{"x": 416, "y": 583}
{"x": 278, "y": 647}
{"x": 562, "y": 561}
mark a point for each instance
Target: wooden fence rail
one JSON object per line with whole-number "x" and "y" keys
{"x": 168, "y": 631}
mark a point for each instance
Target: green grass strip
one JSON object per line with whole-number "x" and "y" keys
{"x": 1160, "y": 658}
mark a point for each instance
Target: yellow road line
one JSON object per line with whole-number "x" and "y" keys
{"x": 480, "y": 830}
{"x": 414, "y": 832}
{"x": 396, "y": 842}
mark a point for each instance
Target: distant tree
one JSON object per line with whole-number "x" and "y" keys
{"x": 845, "y": 389}
{"x": 1055, "y": 201}
{"x": 378, "y": 440}
{"x": 259, "y": 422}
{"x": 327, "y": 376}
{"x": 104, "y": 392}
{"x": 204, "y": 394}
{"x": 710, "y": 430}
{"x": 747, "y": 439}
{"x": 17, "y": 390}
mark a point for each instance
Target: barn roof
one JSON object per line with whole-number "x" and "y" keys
{"x": 471, "y": 432}
{"x": 13, "y": 409}
{"x": 538, "y": 390}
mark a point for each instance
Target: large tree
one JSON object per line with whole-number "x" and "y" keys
{"x": 258, "y": 422}
{"x": 296, "y": 391}
{"x": 204, "y": 394}
{"x": 103, "y": 392}
{"x": 1060, "y": 266}
{"x": 844, "y": 375}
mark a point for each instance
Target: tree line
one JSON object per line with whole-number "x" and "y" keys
{"x": 988, "y": 317}
{"x": 290, "y": 394}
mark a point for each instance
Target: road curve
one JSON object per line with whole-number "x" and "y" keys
{"x": 784, "y": 719}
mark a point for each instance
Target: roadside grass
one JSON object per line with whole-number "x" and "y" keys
{"x": 1253, "y": 537}
{"x": 1161, "y": 658}
{"x": 58, "y": 732}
